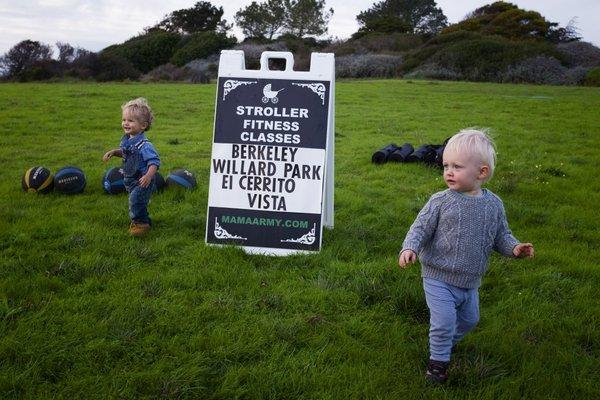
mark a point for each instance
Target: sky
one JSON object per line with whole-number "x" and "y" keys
{"x": 96, "y": 24}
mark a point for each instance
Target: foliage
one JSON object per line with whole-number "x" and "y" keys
{"x": 147, "y": 51}
{"x": 112, "y": 67}
{"x": 540, "y": 70}
{"x": 203, "y": 17}
{"x": 66, "y": 53}
{"x": 593, "y": 77}
{"x": 434, "y": 71}
{"x": 262, "y": 20}
{"x": 88, "y": 312}
{"x": 476, "y": 57}
{"x": 22, "y": 56}
{"x": 201, "y": 45}
{"x": 40, "y": 70}
{"x": 405, "y": 16}
{"x": 376, "y": 42}
{"x": 579, "y": 54}
{"x": 306, "y": 17}
{"x": 367, "y": 66}
{"x": 504, "y": 19}
{"x": 170, "y": 72}
{"x": 569, "y": 33}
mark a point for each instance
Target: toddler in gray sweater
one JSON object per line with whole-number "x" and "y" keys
{"x": 453, "y": 237}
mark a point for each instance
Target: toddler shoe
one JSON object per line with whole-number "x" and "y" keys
{"x": 138, "y": 229}
{"x": 437, "y": 371}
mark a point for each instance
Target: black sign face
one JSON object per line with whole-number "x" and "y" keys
{"x": 268, "y": 163}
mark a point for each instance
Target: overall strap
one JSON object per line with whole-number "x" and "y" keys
{"x": 140, "y": 144}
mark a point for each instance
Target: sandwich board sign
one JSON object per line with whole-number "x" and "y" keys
{"x": 271, "y": 170}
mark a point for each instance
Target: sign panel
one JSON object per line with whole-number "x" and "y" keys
{"x": 270, "y": 160}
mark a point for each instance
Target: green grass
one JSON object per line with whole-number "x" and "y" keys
{"x": 88, "y": 312}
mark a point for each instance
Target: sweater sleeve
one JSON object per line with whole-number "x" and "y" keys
{"x": 505, "y": 242}
{"x": 422, "y": 230}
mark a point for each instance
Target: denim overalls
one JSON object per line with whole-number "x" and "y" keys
{"x": 135, "y": 166}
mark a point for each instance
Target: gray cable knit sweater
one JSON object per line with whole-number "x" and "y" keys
{"x": 454, "y": 235}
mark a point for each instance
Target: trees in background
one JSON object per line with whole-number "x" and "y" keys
{"x": 203, "y": 17}
{"x": 497, "y": 42}
{"x": 261, "y": 20}
{"x": 24, "y": 55}
{"x": 405, "y": 16}
{"x": 298, "y": 18}
{"x": 306, "y": 17}
{"x": 508, "y": 20}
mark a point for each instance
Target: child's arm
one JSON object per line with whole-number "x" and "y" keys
{"x": 150, "y": 156}
{"x": 505, "y": 243}
{"x": 147, "y": 177}
{"x": 111, "y": 153}
{"x": 420, "y": 232}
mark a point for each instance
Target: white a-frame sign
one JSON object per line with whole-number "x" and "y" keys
{"x": 271, "y": 177}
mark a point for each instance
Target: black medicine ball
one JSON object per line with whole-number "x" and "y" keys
{"x": 181, "y": 178}
{"x": 69, "y": 180}
{"x": 113, "y": 181}
{"x": 37, "y": 180}
{"x": 160, "y": 181}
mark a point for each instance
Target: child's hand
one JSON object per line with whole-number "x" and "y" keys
{"x": 145, "y": 180}
{"x": 523, "y": 250}
{"x": 107, "y": 155}
{"x": 407, "y": 257}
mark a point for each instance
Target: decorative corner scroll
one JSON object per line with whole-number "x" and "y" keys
{"x": 318, "y": 88}
{"x": 231, "y": 84}
{"x": 307, "y": 239}
{"x": 221, "y": 233}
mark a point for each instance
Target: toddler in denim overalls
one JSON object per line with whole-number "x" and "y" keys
{"x": 140, "y": 162}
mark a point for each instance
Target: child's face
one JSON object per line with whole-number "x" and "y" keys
{"x": 131, "y": 124}
{"x": 464, "y": 172}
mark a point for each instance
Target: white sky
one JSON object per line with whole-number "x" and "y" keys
{"x": 96, "y": 24}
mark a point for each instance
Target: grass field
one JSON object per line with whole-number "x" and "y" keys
{"x": 88, "y": 312}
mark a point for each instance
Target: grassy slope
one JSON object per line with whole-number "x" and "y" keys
{"x": 87, "y": 311}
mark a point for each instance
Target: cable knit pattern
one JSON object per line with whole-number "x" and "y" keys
{"x": 454, "y": 235}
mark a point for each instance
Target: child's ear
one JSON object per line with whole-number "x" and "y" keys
{"x": 484, "y": 171}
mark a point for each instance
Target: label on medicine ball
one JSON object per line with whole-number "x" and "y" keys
{"x": 268, "y": 163}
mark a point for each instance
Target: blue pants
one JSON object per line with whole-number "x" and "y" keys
{"x": 139, "y": 198}
{"x": 453, "y": 312}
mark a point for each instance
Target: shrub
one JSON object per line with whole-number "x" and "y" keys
{"x": 434, "y": 71}
{"x": 170, "y": 72}
{"x": 114, "y": 68}
{"x": 148, "y": 51}
{"x": 166, "y": 72}
{"x": 85, "y": 66}
{"x": 376, "y": 43}
{"x": 476, "y": 57}
{"x": 579, "y": 54}
{"x": 41, "y": 70}
{"x": 593, "y": 77}
{"x": 576, "y": 75}
{"x": 539, "y": 70}
{"x": 208, "y": 66}
{"x": 201, "y": 45}
{"x": 368, "y": 66}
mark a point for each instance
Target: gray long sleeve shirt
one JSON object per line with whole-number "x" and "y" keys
{"x": 454, "y": 235}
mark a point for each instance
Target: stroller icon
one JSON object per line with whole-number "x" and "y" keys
{"x": 270, "y": 94}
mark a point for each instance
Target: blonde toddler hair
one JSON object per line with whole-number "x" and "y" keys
{"x": 476, "y": 142}
{"x": 141, "y": 110}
